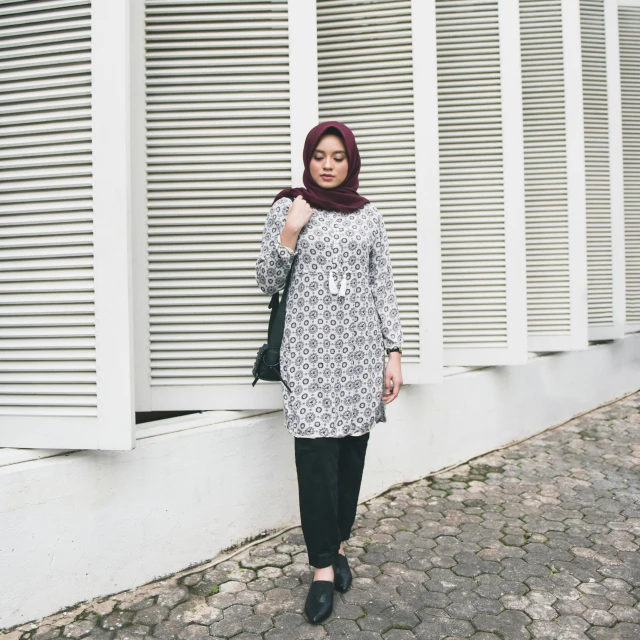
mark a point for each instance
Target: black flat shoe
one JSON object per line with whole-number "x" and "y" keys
{"x": 319, "y": 603}
{"x": 342, "y": 574}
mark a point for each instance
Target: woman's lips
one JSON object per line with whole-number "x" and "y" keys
{"x": 326, "y": 177}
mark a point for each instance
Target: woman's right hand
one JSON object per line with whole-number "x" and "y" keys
{"x": 299, "y": 214}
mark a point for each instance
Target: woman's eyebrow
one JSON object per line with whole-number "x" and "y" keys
{"x": 322, "y": 151}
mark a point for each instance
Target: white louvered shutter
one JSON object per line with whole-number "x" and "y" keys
{"x": 604, "y": 320}
{"x": 629, "y": 35}
{"x": 366, "y": 80}
{"x": 481, "y": 182}
{"x": 58, "y": 379}
{"x": 218, "y": 150}
{"x": 554, "y": 191}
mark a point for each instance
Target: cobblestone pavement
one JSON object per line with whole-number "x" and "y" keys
{"x": 539, "y": 540}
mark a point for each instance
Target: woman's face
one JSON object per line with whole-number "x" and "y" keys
{"x": 329, "y": 164}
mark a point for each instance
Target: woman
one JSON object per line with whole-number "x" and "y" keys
{"x": 341, "y": 315}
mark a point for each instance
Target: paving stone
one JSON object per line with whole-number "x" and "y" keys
{"x": 461, "y": 610}
{"x": 151, "y": 615}
{"x": 261, "y": 584}
{"x": 257, "y": 624}
{"x": 347, "y": 611}
{"x": 541, "y": 612}
{"x": 237, "y": 612}
{"x": 374, "y": 605}
{"x": 442, "y": 627}
{"x": 403, "y": 619}
{"x": 197, "y": 611}
{"x": 204, "y": 588}
{"x": 193, "y": 632}
{"x": 131, "y": 602}
{"x": 598, "y": 617}
{"x": 572, "y": 624}
{"x": 625, "y": 614}
{"x": 168, "y": 630}
{"x": 226, "y": 628}
{"x": 133, "y": 632}
{"x": 622, "y": 631}
{"x": 569, "y": 607}
{"x": 288, "y": 621}
{"x": 340, "y": 628}
{"x": 222, "y": 600}
{"x": 270, "y": 572}
{"x": 249, "y": 636}
{"x": 173, "y": 596}
{"x": 510, "y": 625}
{"x": 45, "y": 632}
{"x": 596, "y": 602}
{"x": 374, "y": 622}
{"x": 215, "y": 575}
{"x": 115, "y": 620}
{"x": 78, "y": 629}
{"x": 249, "y": 597}
{"x": 233, "y": 586}
{"x": 317, "y": 632}
{"x": 287, "y": 582}
{"x": 519, "y": 603}
{"x": 398, "y": 634}
{"x": 191, "y": 580}
{"x": 102, "y": 634}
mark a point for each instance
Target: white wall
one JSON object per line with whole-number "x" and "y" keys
{"x": 90, "y": 523}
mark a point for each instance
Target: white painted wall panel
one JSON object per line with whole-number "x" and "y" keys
{"x": 604, "y": 275}
{"x": 47, "y": 323}
{"x": 218, "y": 148}
{"x": 629, "y": 36}
{"x": 64, "y": 260}
{"x": 370, "y": 86}
{"x": 554, "y": 175}
{"x": 481, "y": 182}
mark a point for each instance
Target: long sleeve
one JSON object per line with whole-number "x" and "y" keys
{"x": 274, "y": 261}
{"x": 382, "y": 286}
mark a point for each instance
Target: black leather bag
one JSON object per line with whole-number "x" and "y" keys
{"x": 267, "y": 364}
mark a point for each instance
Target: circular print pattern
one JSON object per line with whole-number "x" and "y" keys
{"x": 341, "y": 314}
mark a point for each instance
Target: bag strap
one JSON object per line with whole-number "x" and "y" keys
{"x": 278, "y": 311}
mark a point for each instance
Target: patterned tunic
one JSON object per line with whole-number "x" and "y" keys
{"x": 341, "y": 315}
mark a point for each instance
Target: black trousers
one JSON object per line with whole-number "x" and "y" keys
{"x": 329, "y": 476}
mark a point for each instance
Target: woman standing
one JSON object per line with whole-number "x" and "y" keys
{"x": 341, "y": 315}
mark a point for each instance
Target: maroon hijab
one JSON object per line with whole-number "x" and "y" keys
{"x": 345, "y": 196}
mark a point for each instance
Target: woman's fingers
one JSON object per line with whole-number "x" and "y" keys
{"x": 299, "y": 213}
{"x": 391, "y": 393}
{"x": 388, "y": 392}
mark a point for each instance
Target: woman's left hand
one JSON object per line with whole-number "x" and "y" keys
{"x": 392, "y": 378}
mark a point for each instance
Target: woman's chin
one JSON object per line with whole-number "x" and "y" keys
{"x": 324, "y": 185}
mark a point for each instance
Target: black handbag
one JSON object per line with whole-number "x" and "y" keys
{"x": 267, "y": 364}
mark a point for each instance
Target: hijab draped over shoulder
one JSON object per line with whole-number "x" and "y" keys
{"x": 345, "y": 196}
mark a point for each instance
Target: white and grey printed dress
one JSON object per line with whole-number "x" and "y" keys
{"x": 341, "y": 315}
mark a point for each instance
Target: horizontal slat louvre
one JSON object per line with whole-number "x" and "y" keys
{"x": 473, "y": 242}
{"x": 597, "y": 164}
{"x": 545, "y": 162}
{"x": 218, "y": 150}
{"x": 47, "y": 332}
{"x": 369, "y": 87}
{"x": 629, "y": 33}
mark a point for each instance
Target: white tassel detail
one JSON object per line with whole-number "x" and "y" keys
{"x": 333, "y": 286}
{"x": 343, "y": 285}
